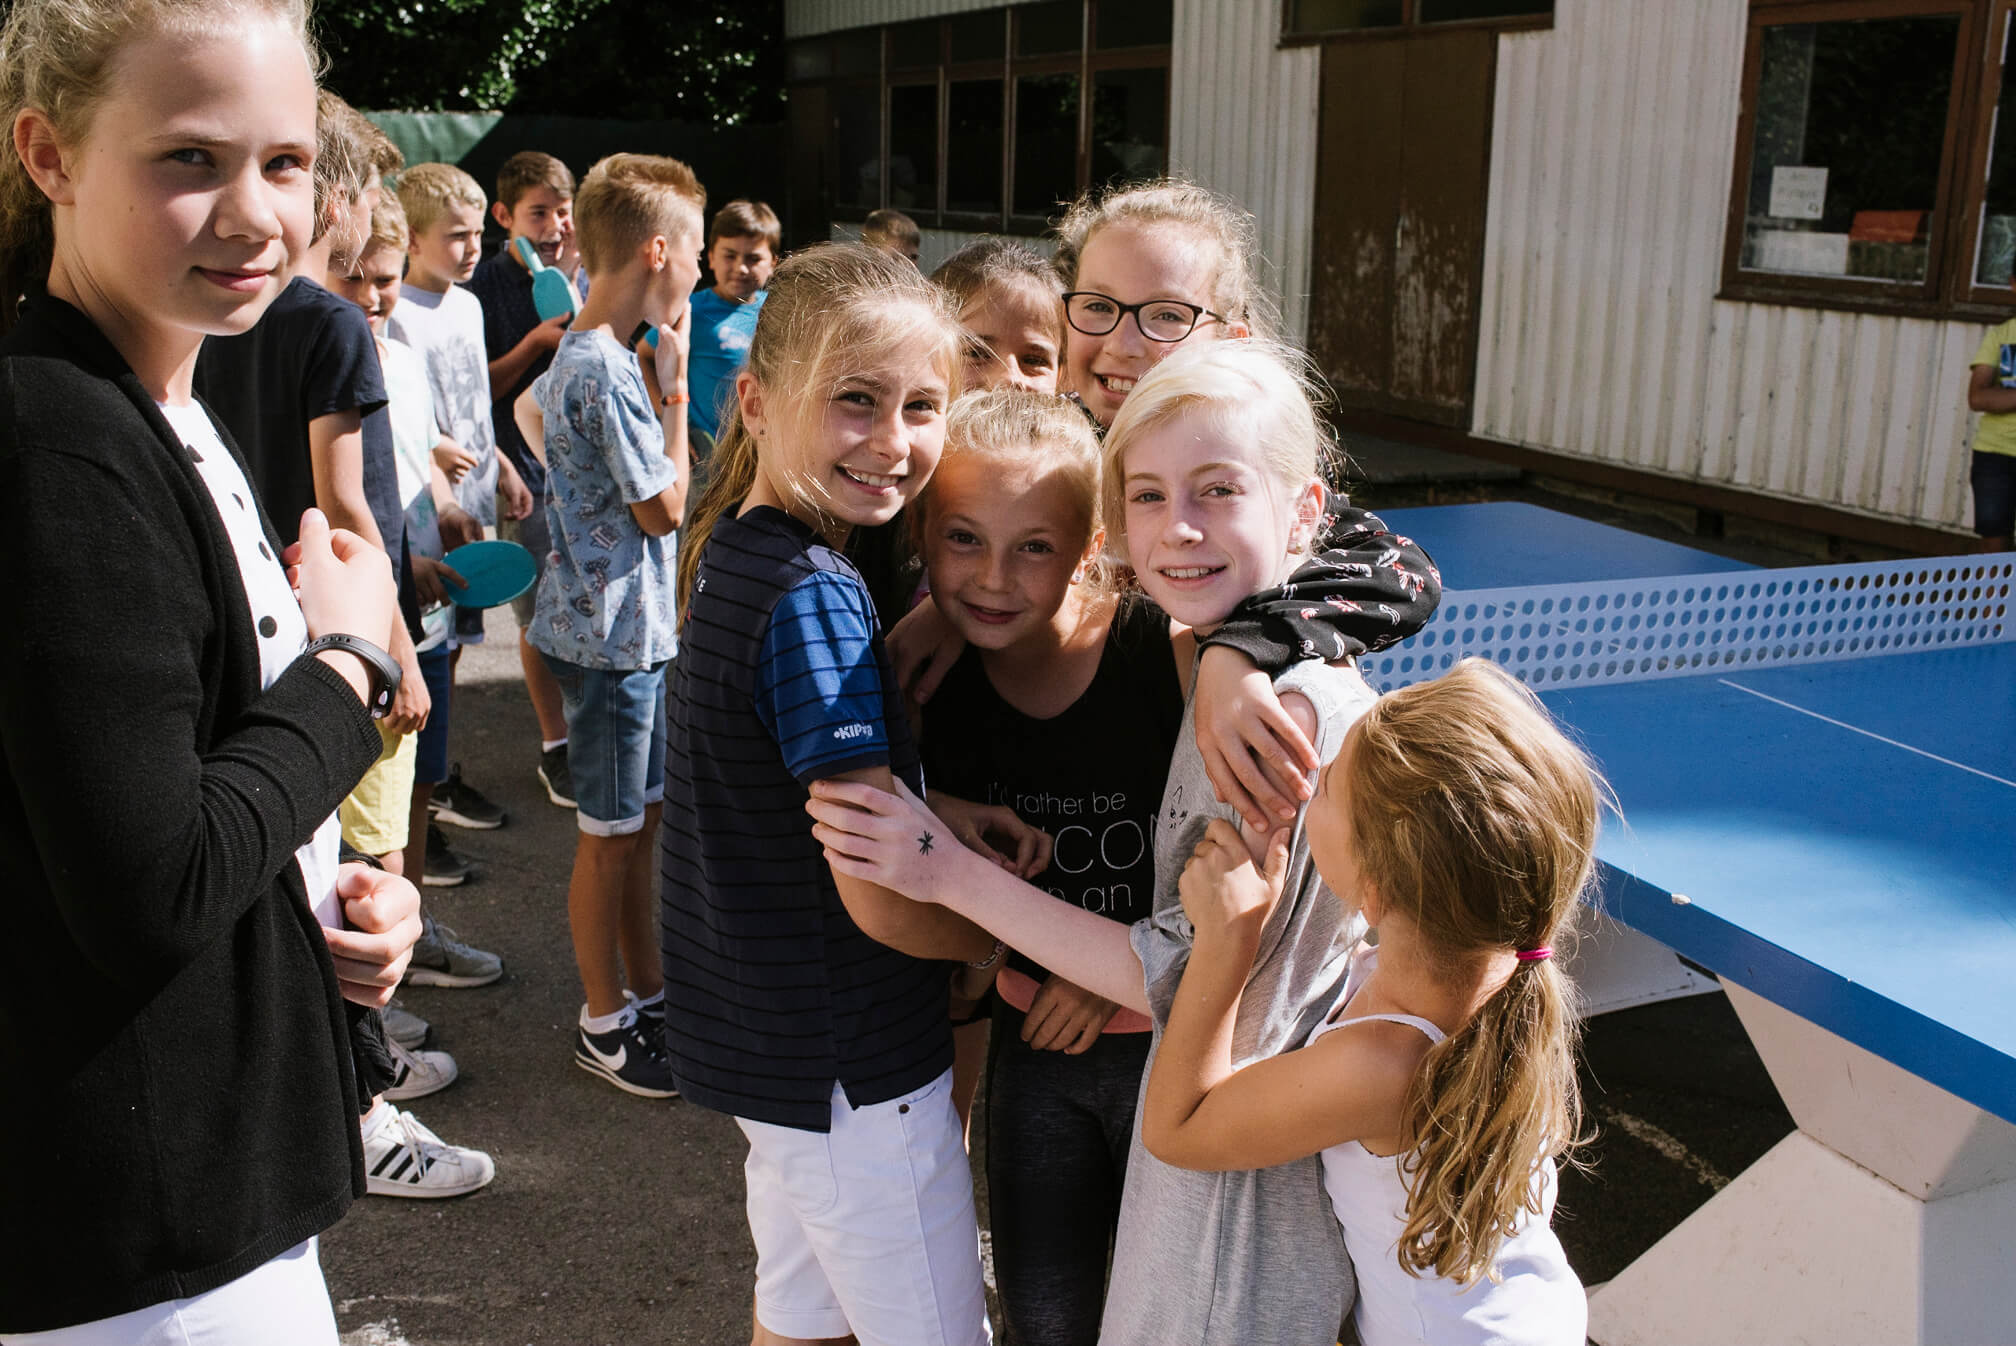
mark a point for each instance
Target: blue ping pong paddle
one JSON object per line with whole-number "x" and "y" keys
{"x": 552, "y": 293}
{"x": 495, "y": 571}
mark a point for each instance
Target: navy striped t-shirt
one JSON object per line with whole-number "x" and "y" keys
{"x": 772, "y": 992}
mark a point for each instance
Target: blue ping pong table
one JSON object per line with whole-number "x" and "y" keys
{"x": 1817, "y": 773}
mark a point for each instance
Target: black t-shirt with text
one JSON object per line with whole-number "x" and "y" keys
{"x": 1091, "y": 776}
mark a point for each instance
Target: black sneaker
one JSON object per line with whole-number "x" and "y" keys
{"x": 554, "y": 775}
{"x": 627, "y": 1056}
{"x": 444, "y": 869}
{"x": 457, "y": 801}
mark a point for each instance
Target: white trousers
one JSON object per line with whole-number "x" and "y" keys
{"x": 868, "y": 1228}
{"x": 283, "y": 1300}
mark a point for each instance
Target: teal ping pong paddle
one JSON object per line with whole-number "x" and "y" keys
{"x": 493, "y": 572}
{"x": 552, "y": 293}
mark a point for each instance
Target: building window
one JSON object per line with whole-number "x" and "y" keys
{"x": 983, "y": 120}
{"x": 1872, "y": 165}
{"x": 1305, "y": 19}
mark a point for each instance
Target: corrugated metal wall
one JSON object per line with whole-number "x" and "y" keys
{"x": 1242, "y": 119}
{"x": 1611, "y": 158}
{"x": 1242, "y": 115}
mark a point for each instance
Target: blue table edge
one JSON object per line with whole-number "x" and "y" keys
{"x": 1969, "y": 1069}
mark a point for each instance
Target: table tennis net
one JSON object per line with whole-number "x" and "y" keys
{"x": 1605, "y": 631}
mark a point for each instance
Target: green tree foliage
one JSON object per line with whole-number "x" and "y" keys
{"x": 715, "y": 62}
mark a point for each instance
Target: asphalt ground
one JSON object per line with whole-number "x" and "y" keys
{"x": 619, "y": 1220}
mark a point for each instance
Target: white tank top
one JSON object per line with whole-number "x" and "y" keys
{"x": 1537, "y": 1300}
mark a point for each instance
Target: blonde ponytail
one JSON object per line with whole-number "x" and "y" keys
{"x": 1492, "y": 1101}
{"x": 732, "y": 472}
{"x": 1475, "y": 818}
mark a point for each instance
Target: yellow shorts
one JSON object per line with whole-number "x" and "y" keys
{"x": 374, "y": 816}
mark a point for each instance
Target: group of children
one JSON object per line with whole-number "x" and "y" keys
{"x": 1209, "y": 1099}
{"x": 1008, "y": 621}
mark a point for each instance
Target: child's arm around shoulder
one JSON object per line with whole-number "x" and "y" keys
{"x": 1199, "y": 1112}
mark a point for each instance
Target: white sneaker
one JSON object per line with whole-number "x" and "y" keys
{"x": 418, "y": 1074}
{"x": 404, "y": 1158}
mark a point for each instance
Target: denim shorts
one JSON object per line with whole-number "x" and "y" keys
{"x": 1994, "y": 480}
{"x": 615, "y": 743}
{"x": 437, "y": 667}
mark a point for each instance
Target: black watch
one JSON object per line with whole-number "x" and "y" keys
{"x": 383, "y": 668}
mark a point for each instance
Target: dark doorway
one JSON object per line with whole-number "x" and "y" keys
{"x": 1403, "y": 166}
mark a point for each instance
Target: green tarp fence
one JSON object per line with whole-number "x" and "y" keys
{"x": 747, "y": 161}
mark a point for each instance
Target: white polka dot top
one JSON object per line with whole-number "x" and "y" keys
{"x": 282, "y": 631}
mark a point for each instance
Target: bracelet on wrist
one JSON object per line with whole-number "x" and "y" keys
{"x": 381, "y": 668}
{"x": 1000, "y": 947}
{"x": 678, "y": 399}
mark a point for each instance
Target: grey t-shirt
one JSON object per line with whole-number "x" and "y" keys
{"x": 1231, "y": 1259}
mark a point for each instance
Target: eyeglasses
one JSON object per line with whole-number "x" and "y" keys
{"x": 1164, "y": 320}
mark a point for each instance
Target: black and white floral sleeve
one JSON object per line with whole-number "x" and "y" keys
{"x": 1366, "y": 588}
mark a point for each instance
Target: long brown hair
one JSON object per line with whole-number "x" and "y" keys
{"x": 54, "y": 56}
{"x": 1474, "y": 817}
{"x": 832, "y": 309}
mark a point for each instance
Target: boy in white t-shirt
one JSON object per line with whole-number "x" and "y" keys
{"x": 443, "y": 323}
{"x": 402, "y": 1157}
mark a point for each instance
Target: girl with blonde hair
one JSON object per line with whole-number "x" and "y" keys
{"x": 812, "y": 1007}
{"x": 1439, "y": 1093}
{"x": 186, "y": 962}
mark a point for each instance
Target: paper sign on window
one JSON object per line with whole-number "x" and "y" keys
{"x": 1798, "y": 193}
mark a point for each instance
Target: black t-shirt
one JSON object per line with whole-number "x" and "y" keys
{"x": 1091, "y": 777}
{"x": 505, "y": 289}
{"x": 311, "y": 355}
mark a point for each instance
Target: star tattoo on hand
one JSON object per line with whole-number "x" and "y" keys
{"x": 924, "y": 844}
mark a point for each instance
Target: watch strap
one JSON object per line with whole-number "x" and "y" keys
{"x": 382, "y": 667}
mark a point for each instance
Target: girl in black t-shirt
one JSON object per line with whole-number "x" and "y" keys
{"x": 1064, "y": 707}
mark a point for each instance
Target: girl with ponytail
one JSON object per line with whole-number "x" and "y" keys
{"x": 1441, "y": 1090}
{"x": 810, "y": 1006}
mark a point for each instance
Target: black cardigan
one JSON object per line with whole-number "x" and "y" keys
{"x": 177, "y": 1102}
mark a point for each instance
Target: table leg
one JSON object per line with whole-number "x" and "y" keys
{"x": 1888, "y": 1218}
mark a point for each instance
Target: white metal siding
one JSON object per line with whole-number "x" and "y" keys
{"x": 1612, "y": 148}
{"x": 1242, "y": 119}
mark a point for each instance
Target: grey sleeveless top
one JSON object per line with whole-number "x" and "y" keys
{"x": 1233, "y": 1259}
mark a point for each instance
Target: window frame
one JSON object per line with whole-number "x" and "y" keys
{"x": 1948, "y": 291}
{"x": 1006, "y": 72}
{"x": 1409, "y": 26}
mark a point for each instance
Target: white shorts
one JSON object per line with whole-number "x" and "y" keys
{"x": 868, "y": 1229}
{"x": 287, "y": 1292}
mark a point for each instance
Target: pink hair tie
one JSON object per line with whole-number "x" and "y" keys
{"x": 1533, "y": 955}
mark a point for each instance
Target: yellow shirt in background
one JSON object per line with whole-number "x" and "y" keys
{"x": 1997, "y": 431}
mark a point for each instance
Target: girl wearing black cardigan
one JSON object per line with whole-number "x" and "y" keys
{"x": 175, "y": 1047}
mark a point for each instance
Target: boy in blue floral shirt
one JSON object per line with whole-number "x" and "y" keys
{"x": 616, "y": 461}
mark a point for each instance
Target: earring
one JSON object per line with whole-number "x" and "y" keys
{"x": 1078, "y": 575}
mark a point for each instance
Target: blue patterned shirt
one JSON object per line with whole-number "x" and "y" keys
{"x": 606, "y": 598}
